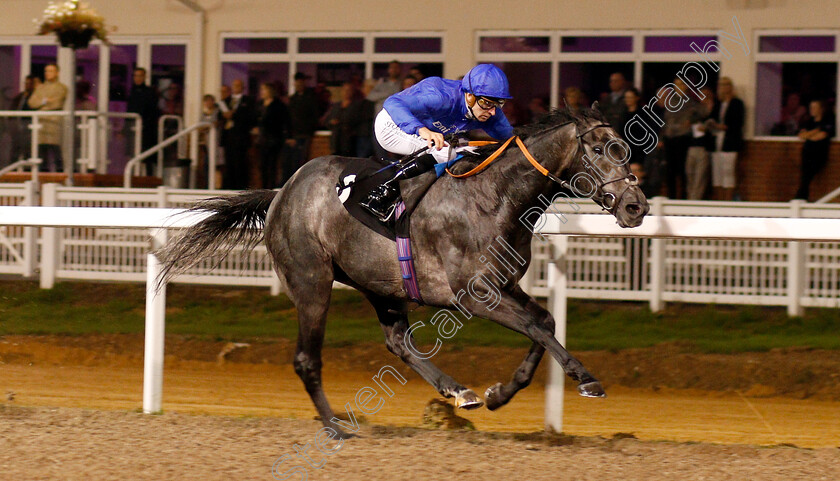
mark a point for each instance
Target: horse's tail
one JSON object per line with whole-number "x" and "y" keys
{"x": 236, "y": 220}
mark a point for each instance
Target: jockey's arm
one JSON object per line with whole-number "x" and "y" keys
{"x": 402, "y": 108}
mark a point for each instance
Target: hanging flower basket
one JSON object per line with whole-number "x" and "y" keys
{"x": 75, "y": 24}
{"x": 76, "y": 39}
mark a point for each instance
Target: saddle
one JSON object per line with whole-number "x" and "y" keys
{"x": 361, "y": 175}
{"x": 357, "y": 179}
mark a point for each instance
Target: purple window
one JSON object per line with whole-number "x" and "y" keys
{"x": 407, "y": 45}
{"x": 256, "y": 45}
{"x": 513, "y": 44}
{"x": 331, "y": 45}
{"x": 675, "y": 43}
{"x": 796, "y": 43}
{"x": 596, "y": 44}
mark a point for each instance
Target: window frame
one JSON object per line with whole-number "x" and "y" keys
{"x": 368, "y": 56}
{"x": 793, "y": 57}
{"x": 555, "y": 57}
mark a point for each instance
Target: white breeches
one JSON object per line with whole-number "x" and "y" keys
{"x": 395, "y": 140}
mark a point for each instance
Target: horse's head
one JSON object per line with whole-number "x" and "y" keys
{"x": 600, "y": 170}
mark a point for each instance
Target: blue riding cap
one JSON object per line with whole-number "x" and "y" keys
{"x": 486, "y": 80}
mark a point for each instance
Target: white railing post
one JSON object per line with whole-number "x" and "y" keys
{"x": 796, "y": 271}
{"x": 193, "y": 159}
{"x": 92, "y": 143}
{"x": 212, "y": 151}
{"x": 155, "y": 325}
{"x": 49, "y": 241}
{"x": 276, "y": 286}
{"x": 557, "y": 297}
{"x": 30, "y": 240}
{"x": 35, "y": 126}
{"x": 657, "y": 261}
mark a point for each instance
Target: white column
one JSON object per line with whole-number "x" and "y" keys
{"x": 155, "y": 323}
{"x": 557, "y": 285}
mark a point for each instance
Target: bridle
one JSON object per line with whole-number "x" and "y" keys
{"x": 608, "y": 201}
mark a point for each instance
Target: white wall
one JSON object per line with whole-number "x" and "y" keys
{"x": 457, "y": 20}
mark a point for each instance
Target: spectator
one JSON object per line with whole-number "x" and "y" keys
{"x": 210, "y": 113}
{"x": 172, "y": 100}
{"x": 84, "y": 101}
{"x": 416, "y": 73}
{"x": 239, "y": 115}
{"x": 537, "y": 108}
{"x": 274, "y": 129}
{"x": 676, "y": 136}
{"x": 631, "y": 108}
{"x": 702, "y": 143}
{"x": 50, "y": 95}
{"x": 727, "y": 126}
{"x": 408, "y": 82}
{"x": 324, "y": 96}
{"x": 817, "y": 132}
{"x": 574, "y": 99}
{"x": 303, "y": 110}
{"x": 793, "y": 114}
{"x": 614, "y": 106}
{"x": 386, "y": 86}
{"x": 19, "y": 128}
{"x": 143, "y": 101}
{"x": 346, "y": 119}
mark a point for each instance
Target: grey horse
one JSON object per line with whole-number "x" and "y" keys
{"x": 313, "y": 241}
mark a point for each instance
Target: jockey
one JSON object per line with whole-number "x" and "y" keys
{"x": 420, "y": 117}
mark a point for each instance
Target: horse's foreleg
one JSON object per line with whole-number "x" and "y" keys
{"x": 500, "y": 394}
{"x": 519, "y": 312}
{"x": 394, "y": 321}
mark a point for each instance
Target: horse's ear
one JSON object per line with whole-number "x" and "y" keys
{"x": 595, "y": 106}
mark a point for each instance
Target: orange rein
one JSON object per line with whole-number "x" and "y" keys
{"x": 477, "y": 169}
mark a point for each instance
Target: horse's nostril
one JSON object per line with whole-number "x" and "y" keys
{"x": 633, "y": 209}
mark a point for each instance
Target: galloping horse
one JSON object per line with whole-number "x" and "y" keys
{"x": 313, "y": 241}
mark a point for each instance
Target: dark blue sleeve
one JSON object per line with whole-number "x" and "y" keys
{"x": 405, "y": 107}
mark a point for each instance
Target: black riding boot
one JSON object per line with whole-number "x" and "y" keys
{"x": 380, "y": 200}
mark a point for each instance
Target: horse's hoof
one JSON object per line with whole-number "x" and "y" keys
{"x": 493, "y": 397}
{"x": 468, "y": 400}
{"x": 344, "y": 434}
{"x": 591, "y": 389}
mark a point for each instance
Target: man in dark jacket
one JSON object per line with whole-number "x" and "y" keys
{"x": 727, "y": 126}
{"x": 143, "y": 100}
{"x": 303, "y": 110}
{"x": 240, "y": 117}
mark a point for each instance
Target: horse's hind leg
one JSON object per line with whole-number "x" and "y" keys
{"x": 312, "y": 302}
{"x": 394, "y": 321}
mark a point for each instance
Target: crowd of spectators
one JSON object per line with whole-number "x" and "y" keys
{"x": 696, "y": 157}
{"x": 281, "y": 127}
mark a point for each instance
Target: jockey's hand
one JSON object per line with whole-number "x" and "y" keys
{"x": 434, "y": 138}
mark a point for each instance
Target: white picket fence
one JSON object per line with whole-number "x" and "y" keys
{"x": 792, "y": 274}
{"x": 79, "y": 253}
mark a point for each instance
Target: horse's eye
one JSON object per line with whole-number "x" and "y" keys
{"x": 598, "y": 150}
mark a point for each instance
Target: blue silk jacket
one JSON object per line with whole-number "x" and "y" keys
{"x": 438, "y": 104}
